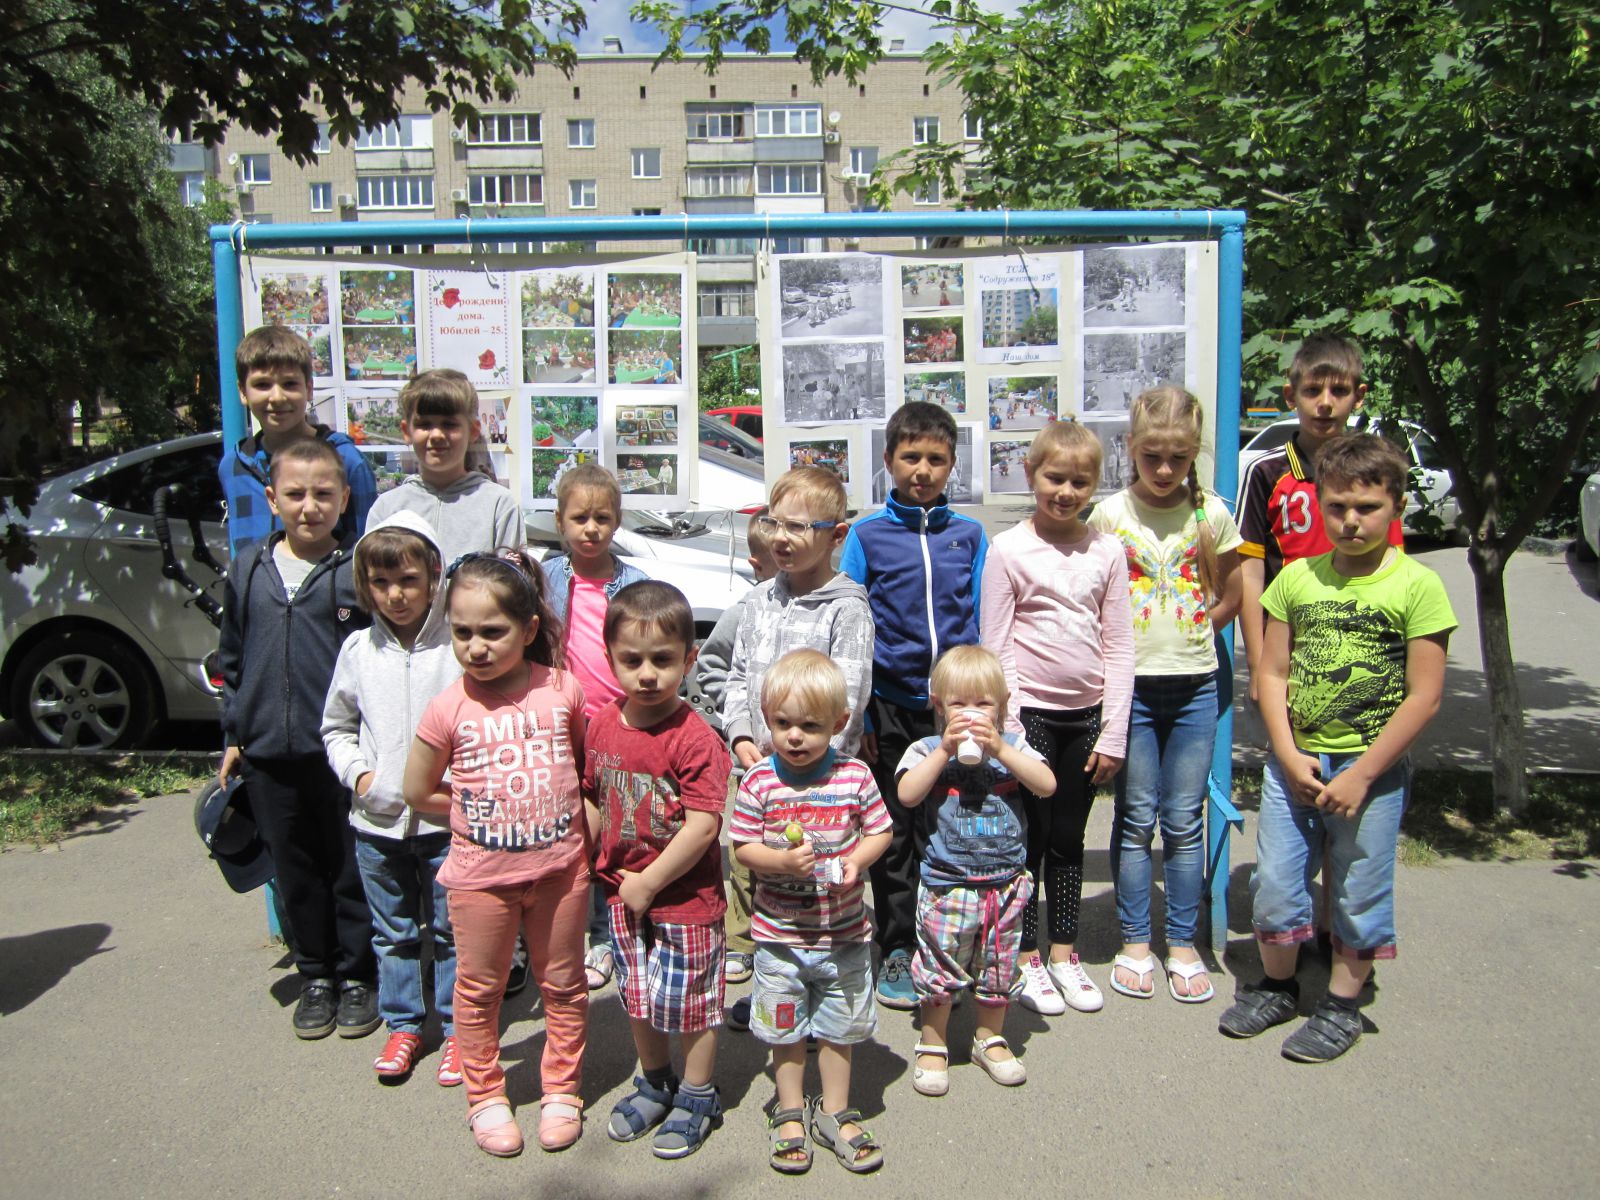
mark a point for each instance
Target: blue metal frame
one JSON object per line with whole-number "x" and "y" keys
{"x": 1226, "y": 226}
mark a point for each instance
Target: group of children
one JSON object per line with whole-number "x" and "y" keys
{"x": 504, "y": 751}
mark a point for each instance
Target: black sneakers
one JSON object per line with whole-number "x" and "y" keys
{"x": 517, "y": 979}
{"x": 1257, "y": 1010}
{"x": 314, "y": 1015}
{"x": 358, "y": 1010}
{"x": 1331, "y": 1030}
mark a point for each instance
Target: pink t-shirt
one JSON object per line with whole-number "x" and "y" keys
{"x": 516, "y": 812}
{"x": 1057, "y": 617}
{"x": 586, "y": 644}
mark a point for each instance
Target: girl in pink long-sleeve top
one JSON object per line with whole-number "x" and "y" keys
{"x": 1055, "y": 610}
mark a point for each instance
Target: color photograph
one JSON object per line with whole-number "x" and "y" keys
{"x": 1006, "y": 462}
{"x": 832, "y": 295}
{"x": 373, "y": 418}
{"x": 1138, "y": 285}
{"x": 1118, "y": 366}
{"x": 1023, "y": 402}
{"x": 831, "y": 453}
{"x": 933, "y": 339}
{"x": 494, "y": 422}
{"x": 932, "y": 285}
{"x": 647, "y": 425}
{"x": 645, "y": 301}
{"x": 294, "y": 299}
{"x": 377, "y": 297}
{"x": 645, "y": 356}
{"x": 558, "y": 356}
{"x": 833, "y": 382}
{"x": 381, "y": 352}
{"x": 1020, "y": 317}
{"x": 546, "y": 467}
{"x": 558, "y": 300}
{"x": 558, "y": 421}
{"x": 947, "y": 389}
{"x": 321, "y": 339}
{"x": 648, "y": 474}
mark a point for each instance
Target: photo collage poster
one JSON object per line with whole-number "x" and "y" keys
{"x": 1006, "y": 341}
{"x": 584, "y": 362}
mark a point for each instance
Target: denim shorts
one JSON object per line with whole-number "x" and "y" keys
{"x": 822, "y": 991}
{"x": 1292, "y": 840}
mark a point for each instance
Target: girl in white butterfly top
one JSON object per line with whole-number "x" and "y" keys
{"x": 1183, "y": 584}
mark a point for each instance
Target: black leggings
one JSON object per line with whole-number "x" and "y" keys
{"x": 1056, "y": 823}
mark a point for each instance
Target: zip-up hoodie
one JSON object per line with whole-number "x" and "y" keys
{"x": 835, "y": 619}
{"x": 923, "y": 571}
{"x": 277, "y": 655}
{"x": 379, "y": 691}
{"x": 558, "y": 581}
{"x": 470, "y": 513}
{"x": 243, "y": 474}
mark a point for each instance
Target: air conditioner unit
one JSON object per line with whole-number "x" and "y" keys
{"x": 858, "y": 179}
{"x": 346, "y": 200}
{"x": 831, "y": 137}
{"x": 458, "y": 195}
{"x": 243, "y": 187}
{"x": 458, "y": 135}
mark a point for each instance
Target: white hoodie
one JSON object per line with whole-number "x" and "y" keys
{"x": 378, "y": 694}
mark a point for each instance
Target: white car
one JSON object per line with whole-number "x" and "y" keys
{"x": 1589, "y": 518}
{"x": 98, "y": 645}
{"x": 1431, "y": 483}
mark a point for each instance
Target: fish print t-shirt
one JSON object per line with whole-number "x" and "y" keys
{"x": 516, "y": 812}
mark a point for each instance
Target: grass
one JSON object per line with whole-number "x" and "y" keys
{"x": 1452, "y": 815}
{"x": 46, "y": 796}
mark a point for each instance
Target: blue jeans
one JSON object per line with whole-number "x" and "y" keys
{"x": 400, "y": 876}
{"x": 1293, "y": 839}
{"x": 1170, "y": 738}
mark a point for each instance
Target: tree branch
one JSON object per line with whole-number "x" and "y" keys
{"x": 1566, "y": 449}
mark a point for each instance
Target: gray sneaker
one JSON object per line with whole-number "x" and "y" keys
{"x": 1256, "y": 1010}
{"x": 1331, "y": 1030}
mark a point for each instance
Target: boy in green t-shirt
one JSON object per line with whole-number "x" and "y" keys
{"x": 1351, "y": 671}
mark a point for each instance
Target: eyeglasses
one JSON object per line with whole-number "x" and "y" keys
{"x": 795, "y": 529}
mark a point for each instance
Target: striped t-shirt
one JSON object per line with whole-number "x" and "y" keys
{"x": 836, "y": 804}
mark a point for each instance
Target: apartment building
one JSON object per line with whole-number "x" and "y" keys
{"x": 623, "y": 136}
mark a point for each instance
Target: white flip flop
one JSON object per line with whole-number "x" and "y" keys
{"x": 1188, "y": 971}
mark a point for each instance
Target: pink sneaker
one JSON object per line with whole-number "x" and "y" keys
{"x": 449, "y": 1063}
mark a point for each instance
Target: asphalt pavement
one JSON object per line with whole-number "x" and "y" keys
{"x": 146, "y": 1050}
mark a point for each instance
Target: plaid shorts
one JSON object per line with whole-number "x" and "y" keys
{"x": 969, "y": 937}
{"x": 669, "y": 975}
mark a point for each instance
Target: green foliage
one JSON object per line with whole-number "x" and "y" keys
{"x": 46, "y": 796}
{"x": 720, "y": 387}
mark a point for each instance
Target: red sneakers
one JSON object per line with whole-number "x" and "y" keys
{"x": 399, "y": 1052}
{"x": 449, "y": 1063}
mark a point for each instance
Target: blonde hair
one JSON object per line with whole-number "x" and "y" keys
{"x": 818, "y": 488}
{"x": 971, "y": 668}
{"x": 1176, "y": 413}
{"x": 1068, "y": 437}
{"x": 759, "y": 541}
{"x": 810, "y": 677}
{"x": 588, "y": 477}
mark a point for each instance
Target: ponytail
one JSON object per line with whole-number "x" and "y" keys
{"x": 1205, "y": 537}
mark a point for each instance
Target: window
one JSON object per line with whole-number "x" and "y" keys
{"x": 924, "y": 130}
{"x": 323, "y": 144}
{"x": 789, "y": 179}
{"x": 394, "y": 191}
{"x": 505, "y": 189}
{"x": 706, "y": 124}
{"x": 580, "y": 134}
{"x": 721, "y": 247}
{"x": 506, "y": 129}
{"x": 133, "y": 488}
{"x": 407, "y": 133}
{"x": 255, "y": 169}
{"x": 796, "y": 245}
{"x": 581, "y": 193}
{"x": 928, "y": 193}
{"x": 925, "y": 241}
{"x": 192, "y": 187}
{"x": 727, "y": 300}
{"x": 647, "y": 164}
{"x": 322, "y": 197}
{"x": 719, "y": 181}
{"x": 972, "y": 127}
{"x": 793, "y": 120}
{"x": 647, "y": 212}
{"x": 863, "y": 159}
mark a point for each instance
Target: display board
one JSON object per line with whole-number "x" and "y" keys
{"x": 586, "y": 361}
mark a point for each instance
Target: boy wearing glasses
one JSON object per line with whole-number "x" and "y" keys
{"x": 807, "y": 605}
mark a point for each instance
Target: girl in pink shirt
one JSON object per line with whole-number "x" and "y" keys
{"x": 1054, "y": 609}
{"x": 510, "y": 732}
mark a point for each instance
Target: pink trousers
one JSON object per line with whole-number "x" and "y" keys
{"x": 552, "y": 914}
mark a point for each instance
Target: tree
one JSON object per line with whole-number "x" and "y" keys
{"x": 1424, "y": 175}
{"x": 725, "y": 375}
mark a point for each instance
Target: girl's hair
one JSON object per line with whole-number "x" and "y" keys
{"x": 811, "y": 678}
{"x": 971, "y": 669}
{"x": 441, "y": 392}
{"x": 587, "y": 477}
{"x": 1067, "y": 436}
{"x": 389, "y": 549}
{"x": 517, "y": 585}
{"x": 1172, "y": 412}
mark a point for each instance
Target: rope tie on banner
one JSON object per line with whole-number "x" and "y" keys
{"x": 471, "y": 249}
{"x": 1208, "y": 224}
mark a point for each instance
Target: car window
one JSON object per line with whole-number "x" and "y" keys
{"x": 1272, "y": 437}
{"x": 1426, "y": 452}
{"x": 750, "y": 423}
{"x": 133, "y": 488}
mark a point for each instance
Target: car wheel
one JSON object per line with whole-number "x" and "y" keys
{"x": 83, "y": 691}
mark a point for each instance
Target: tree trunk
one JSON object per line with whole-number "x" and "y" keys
{"x": 1507, "y": 730}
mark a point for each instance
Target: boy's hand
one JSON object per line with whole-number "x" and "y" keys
{"x": 230, "y": 764}
{"x": 1102, "y": 768}
{"x": 1344, "y": 795}
{"x": 849, "y": 873}
{"x": 747, "y": 754}
{"x": 364, "y": 782}
{"x": 636, "y": 893}
{"x": 800, "y": 860}
{"x": 1303, "y": 774}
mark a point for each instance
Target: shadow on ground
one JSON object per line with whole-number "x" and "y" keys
{"x": 36, "y": 962}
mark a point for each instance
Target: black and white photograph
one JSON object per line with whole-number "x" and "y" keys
{"x": 932, "y": 285}
{"x": 1118, "y": 366}
{"x": 1143, "y": 285}
{"x": 963, "y": 485}
{"x": 1007, "y": 459}
{"x": 1116, "y": 460}
{"x": 947, "y": 389}
{"x": 1023, "y": 401}
{"x": 835, "y": 295}
{"x": 832, "y": 382}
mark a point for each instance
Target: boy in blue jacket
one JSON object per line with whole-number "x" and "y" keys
{"x": 922, "y": 566}
{"x": 288, "y": 607}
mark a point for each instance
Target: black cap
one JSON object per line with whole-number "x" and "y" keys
{"x": 226, "y": 825}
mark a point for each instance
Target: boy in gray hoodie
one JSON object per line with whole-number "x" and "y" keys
{"x": 383, "y": 680}
{"x": 806, "y": 606}
{"x": 466, "y": 509}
